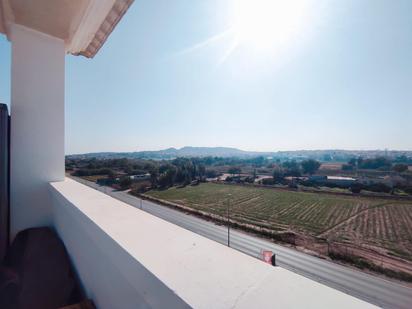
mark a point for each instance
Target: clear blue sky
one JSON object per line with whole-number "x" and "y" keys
{"x": 338, "y": 76}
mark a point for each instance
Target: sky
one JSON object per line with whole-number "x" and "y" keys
{"x": 262, "y": 76}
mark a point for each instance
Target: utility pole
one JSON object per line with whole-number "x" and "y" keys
{"x": 228, "y": 220}
{"x": 328, "y": 247}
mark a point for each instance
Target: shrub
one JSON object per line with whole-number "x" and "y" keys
{"x": 379, "y": 187}
{"x": 125, "y": 183}
{"x": 400, "y": 168}
{"x": 267, "y": 181}
{"x": 356, "y": 187}
{"x": 347, "y": 167}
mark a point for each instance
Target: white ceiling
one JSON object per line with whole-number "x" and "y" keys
{"x": 77, "y": 22}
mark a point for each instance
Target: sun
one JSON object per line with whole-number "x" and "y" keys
{"x": 269, "y": 24}
{"x": 264, "y": 29}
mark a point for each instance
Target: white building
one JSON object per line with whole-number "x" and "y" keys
{"x": 340, "y": 180}
{"x": 333, "y": 180}
{"x": 140, "y": 177}
{"x": 124, "y": 257}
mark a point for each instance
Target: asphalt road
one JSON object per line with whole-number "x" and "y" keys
{"x": 372, "y": 289}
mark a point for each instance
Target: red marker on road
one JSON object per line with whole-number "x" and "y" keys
{"x": 267, "y": 256}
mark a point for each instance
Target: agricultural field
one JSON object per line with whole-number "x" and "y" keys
{"x": 331, "y": 166}
{"x": 368, "y": 221}
{"x": 388, "y": 226}
{"x": 94, "y": 178}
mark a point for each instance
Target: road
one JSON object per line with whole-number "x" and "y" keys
{"x": 372, "y": 289}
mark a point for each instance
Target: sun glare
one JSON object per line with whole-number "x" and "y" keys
{"x": 269, "y": 24}
{"x": 267, "y": 28}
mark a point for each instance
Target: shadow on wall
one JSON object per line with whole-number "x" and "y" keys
{"x": 110, "y": 276}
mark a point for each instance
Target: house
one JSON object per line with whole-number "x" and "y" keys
{"x": 295, "y": 179}
{"x": 332, "y": 180}
{"x": 340, "y": 180}
{"x": 259, "y": 178}
{"x": 140, "y": 177}
{"x": 317, "y": 178}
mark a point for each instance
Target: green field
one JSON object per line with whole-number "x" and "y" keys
{"x": 379, "y": 222}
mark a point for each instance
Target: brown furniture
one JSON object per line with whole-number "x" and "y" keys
{"x": 36, "y": 273}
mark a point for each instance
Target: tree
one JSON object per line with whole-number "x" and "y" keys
{"x": 167, "y": 178}
{"x": 278, "y": 175}
{"x": 153, "y": 176}
{"x": 327, "y": 157}
{"x": 400, "y": 167}
{"x": 292, "y": 168}
{"x": 356, "y": 187}
{"x": 187, "y": 178}
{"x": 211, "y": 173}
{"x": 201, "y": 170}
{"x": 381, "y": 163}
{"x": 258, "y": 161}
{"x": 353, "y": 162}
{"x": 125, "y": 183}
{"x": 310, "y": 166}
{"x": 234, "y": 170}
{"x": 347, "y": 167}
{"x": 111, "y": 174}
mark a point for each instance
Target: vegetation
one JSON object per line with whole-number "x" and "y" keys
{"x": 234, "y": 170}
{"x": 399, "y": 164}
{"x": 183, "y": 171}
{"x": 310, "y": 166}
{"x": 365, "y": 264}
{"x": 292, "y": 168}
{"x": 400, "y": 167}
{"x": 273, "y": 207}
{"x": 125, "y": 183}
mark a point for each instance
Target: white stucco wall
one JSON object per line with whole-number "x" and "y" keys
{"x": 127, "y": 258}
{"x": 37, "y": 125}
{"x": 109, "y": 274}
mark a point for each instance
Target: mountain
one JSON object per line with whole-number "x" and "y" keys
{"x": 214, "y": 152}
{"x": 225, "y": 152}
{"x": 171, "y": 153}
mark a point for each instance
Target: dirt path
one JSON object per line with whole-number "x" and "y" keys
{"x": 379, "y": 259}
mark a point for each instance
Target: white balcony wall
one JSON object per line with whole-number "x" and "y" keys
{"x": 127, "y": 258}
{"x": 37, "y": 125}
{"x": 109, "y": 274}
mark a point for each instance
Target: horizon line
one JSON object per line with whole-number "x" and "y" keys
{"x": 234, "y": 148}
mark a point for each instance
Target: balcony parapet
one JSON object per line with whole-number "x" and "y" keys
{"x": 127, "y": 258}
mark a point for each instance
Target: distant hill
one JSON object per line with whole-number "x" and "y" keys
{"x": 214, "y": 152}
{"x": 171, "y": 153}
{"x": 225, "y": 152}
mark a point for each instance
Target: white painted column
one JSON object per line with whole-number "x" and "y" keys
{"x": 37, "y": 125}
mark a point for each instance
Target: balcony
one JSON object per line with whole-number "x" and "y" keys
{"x": 123, "y": 257}
{"x": 126, "y": 256}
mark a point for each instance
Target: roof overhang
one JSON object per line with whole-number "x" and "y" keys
{"x": 84, "y": 25}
